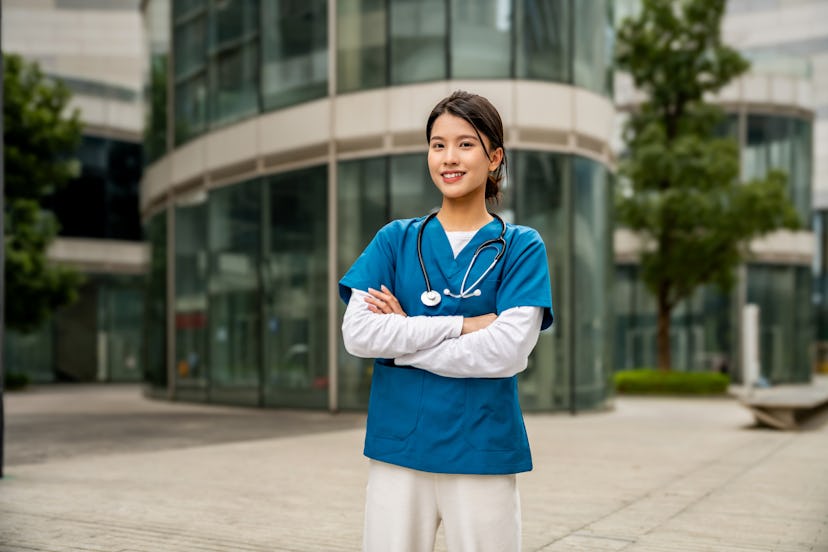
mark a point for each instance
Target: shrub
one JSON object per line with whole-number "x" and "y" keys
{"x": 656, "y": 382}
{"x": 14, "y": 381}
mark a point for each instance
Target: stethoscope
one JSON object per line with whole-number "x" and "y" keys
{"x": 430, "y": 297}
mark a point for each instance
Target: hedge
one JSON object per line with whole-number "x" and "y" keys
{"x": 656, "y": 382}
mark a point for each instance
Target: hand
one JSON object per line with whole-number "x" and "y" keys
{"x": 383, "y": 302}
{"x": 477, "y": 322}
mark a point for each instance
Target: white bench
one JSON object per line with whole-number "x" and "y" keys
{"x": 786, "y": 407}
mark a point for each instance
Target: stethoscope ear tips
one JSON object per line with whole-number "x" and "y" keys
{"x": 477, "y": 293}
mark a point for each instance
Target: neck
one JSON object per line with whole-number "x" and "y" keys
{"x": 463, "y": 216}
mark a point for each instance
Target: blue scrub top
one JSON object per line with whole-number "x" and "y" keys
{"x": 433, "y": 423}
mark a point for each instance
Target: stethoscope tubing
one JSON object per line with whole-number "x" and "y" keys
{"x": 464, "y": 293}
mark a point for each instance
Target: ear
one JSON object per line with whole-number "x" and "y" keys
{"x": 496, "y": 159}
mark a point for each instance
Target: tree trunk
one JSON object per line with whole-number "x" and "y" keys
{"x": 663, "y": 336}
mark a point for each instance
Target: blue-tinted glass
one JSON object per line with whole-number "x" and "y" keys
{"x": 190, "y": 108}
{"x": 294, "y": 52}
{"x": 233, "y": 84}
{"x": 295, "y": 286}
{"x": 591, "y": 194}
{"x": 783, "y": 295}
{"x": 481, "y": 38}
{"x": 234, "y": 313}
{"x": 232, "y": 20}
{"x": 361, "y": 44}
{"x": 413, "y": 194}
{"x": 190, "y": 47}
{"x": 776, "y": 142}
{"x": 594, "y": 40}
{"x": 418, "y": 40}
{"x": 539, "y": 187}
{"x": 543, "y": 49}
{"x": 191, "y": 295}
{"x": 362, "y": 207}
{"x": 155, "y": 321}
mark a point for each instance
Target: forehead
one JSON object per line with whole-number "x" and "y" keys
{"x": 448, "y": 125}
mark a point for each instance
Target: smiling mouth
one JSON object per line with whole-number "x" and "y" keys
{"x": 454, "y": 175}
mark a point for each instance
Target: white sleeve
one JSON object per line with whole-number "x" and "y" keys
{"x": 368, "y": 334}
{"x": 500, "y": 350}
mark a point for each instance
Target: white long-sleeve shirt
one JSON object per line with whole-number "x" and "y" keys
{"x": 435, "y": 343}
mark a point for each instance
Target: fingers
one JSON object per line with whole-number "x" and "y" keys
{"x": 383, "y": 302}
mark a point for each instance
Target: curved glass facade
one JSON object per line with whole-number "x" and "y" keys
{"x": 251, "y": 274}
{"x": 244, "y": 293}
{"x": 238, "y": 58}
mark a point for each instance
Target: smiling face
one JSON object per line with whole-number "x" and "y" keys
{"x": 457, "y": 159}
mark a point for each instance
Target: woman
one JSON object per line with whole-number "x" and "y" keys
{"x": 450, "y": 305}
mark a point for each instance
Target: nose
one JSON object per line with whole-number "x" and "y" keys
{"x": 450, "y": 155}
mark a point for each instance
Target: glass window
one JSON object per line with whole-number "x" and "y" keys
{"x": 295, "y": 272}
{"x": 233, "y": 83}
{"x": 413, "y": 194}
{"x": 190, "y": 65}
{"x": 232, "y": 21}
{"x": 362, "y": 200}
{"x": 120, "y": 315}
{"x": 234, "y": 228}
{"x": 592, "y": 257}
{"x": 184, "y": 7}
{"x": 103, "y": 201}
{"x": 191, "y": 293}
{"x": 542, "y": 32}
{"x": 190, "y": 108}
{"x": 190, "y": 46}
{"x": 418, "y": 40}
{"x": 155, "y": 319}
{"x": 295, "y": 52}
{"x": 784, "y": 143}
{"x": 234, "y": 59}
{"x": 539, "y": 187}
{"x": 481, "y": 38}
{"x": 31, "y": 353}
{"x": 701, "y": 327}
{"x": 594, "y": 37}
{"x": 361, "y": 48}
{"x": 155, "y": 131}
{"x": 783, "y": 295}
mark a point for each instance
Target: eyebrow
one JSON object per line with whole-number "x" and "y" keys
{"x": 462, "y": 137}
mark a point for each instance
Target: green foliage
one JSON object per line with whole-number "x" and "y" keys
{"x": 684, "y": 199}
{"x": 657, "y": 382}
{"x": 15, "y": 381}
{"x": 40, "y": 141}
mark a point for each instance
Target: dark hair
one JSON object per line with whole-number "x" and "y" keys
{"x": 484, "y": 118}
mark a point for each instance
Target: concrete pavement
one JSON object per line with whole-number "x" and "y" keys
{"x": 99, "y": 468}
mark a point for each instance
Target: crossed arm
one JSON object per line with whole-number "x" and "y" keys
{"x": 487, "y": 346}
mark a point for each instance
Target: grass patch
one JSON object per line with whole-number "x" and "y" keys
{"x": 656, "y": 382}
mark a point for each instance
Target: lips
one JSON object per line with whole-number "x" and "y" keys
{"x": 452, "y": 176}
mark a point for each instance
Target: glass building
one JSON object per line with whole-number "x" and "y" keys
{"x": 99, "y": 337}
{"x": 283, "y": 135}
{"x": 771, "y": 116}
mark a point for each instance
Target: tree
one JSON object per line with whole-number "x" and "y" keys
{"x": 40, "y": 141}
{"x": 685, "y": 202}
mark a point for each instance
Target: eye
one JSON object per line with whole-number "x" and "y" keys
{"x": 436, "y": 146}
{"x": 466, "y": 144}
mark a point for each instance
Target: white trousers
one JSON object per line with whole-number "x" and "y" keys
{"x": 404, "y": 508}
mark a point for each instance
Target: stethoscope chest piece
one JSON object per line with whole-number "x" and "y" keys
{"x": 430, "y": 298}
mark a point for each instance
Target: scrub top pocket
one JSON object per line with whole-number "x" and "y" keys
{"x": 493, "y": 420}
{"x": 395, "y": 401}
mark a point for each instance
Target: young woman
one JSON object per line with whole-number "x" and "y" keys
{"x": 450, "y": 305}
